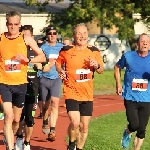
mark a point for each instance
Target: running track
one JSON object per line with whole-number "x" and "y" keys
{"x": 103, "y": 104}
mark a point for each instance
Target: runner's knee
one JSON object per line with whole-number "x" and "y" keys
{"x": 9, "y": 118}
{"x": 84, "y": 127}
{"x": 133, "y": 127}
{"x": 75, "y": 124}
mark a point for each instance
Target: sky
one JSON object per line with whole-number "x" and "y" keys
{"x": 65, "y": 1}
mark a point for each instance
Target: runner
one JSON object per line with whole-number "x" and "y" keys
{"x": 13, "y": 73}
{"x": 66, "y": 41}
{"x": 81, "y": 61}
{"x": 30, "y": 98}
{"x": 136, "y": 90}
{"x": 50, "y": 83}
{"x": 40, "y": 42}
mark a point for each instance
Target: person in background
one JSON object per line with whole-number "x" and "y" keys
{"x": 67, "y": 41}
{"x": 50, "y": 83}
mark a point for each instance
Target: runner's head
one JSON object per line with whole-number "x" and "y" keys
{"x": 27, "y": 30}
{"x": 13, "y": 23}
{"x": 66, "y": 41}
{"x": 51, "y": 33}
{"x": 143, "y": 42}
{"x": 80, "y": 34}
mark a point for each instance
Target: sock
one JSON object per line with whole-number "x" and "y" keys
{"x": 78, "y": 149}
{"x": 72, "y": 144}
{"x": 52, "y": 129}
{"x": 45, "y": 122}
{"x": 20, "y": 136}
{"x": 26, "y": 143}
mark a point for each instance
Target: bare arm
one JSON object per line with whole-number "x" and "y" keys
{"x": 59, "y": 67}
{"x": 33, "y": 45}
{"x": 117, "y": 75}
{"x": 100, "y": 65}
{"x": 45, "y": 68}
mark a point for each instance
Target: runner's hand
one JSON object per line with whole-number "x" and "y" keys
{"x": 38, "y": 66}
{"x": 22, "y": 57}
{"x": 119, "y": 90}
{"x": 93, "y": 63}
{"x": 63, "y": 74}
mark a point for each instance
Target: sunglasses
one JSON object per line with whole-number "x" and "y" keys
{"x": 52, "y": 33}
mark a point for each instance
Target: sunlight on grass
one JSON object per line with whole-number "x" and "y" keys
{"x": 105, "y": 133}
{"x": 105, "y": 81}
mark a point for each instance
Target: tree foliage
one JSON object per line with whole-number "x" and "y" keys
{"x": 106, "y": 12}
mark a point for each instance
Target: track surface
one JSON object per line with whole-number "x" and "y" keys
{"x": 103, "y": 104}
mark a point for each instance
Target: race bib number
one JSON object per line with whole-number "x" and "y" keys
{"x": 83, "y": 75}
{"x": 12, "y": 66}
{"x": 52, "y": 58}
{"x": 139, "y": 84}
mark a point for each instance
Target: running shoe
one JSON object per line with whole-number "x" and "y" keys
{"x": 19, "y": 144}
{"x": 126, "y": 138}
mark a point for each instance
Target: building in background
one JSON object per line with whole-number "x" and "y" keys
{"x": 106, "y": 40}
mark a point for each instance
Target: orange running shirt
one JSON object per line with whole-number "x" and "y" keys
{"x": 79, "y": 83}
{"x": 12, "y": 72}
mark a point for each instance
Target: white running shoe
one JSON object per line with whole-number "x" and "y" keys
{"x": 19, "y": 144}
{"x": 26, "y": 147}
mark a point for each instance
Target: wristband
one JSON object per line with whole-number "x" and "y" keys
{"x": 29, "y": 60}
{"x": 98, "y": 66}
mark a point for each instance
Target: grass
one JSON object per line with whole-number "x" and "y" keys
{"x": 105, "y": 133}
{"x": 105, "y": 81}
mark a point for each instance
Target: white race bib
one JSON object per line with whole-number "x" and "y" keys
{"x": 139, "y": 84}
{"x": 12, "y": 66}
{"x": 83, "y": 75}
{"x": 52, "y": 58}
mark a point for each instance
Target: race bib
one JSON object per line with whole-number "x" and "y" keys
{"x": 12, "y": 66}
{"x": 83, "y": 75}
{"x": 52, "y": 58}
{"x": 139, "y": 84}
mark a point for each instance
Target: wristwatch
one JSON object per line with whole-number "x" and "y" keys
{"x": 29, "y": 60}
{"x": 98, "y": 66}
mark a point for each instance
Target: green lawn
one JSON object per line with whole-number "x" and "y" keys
{"x": 105, "y": 81}
{"x": 105, "y": 133}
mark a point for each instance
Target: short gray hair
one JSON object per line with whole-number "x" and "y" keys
{"x": 12, "y": 14}
{"x": 77, "y": 25}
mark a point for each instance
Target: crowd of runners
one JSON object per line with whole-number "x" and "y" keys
{"x": 32, "y": 72}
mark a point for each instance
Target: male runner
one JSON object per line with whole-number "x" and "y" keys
{"x": 50, "y": 83}
{"x": 13, "y": 73}
{"x": 81, "y": 61}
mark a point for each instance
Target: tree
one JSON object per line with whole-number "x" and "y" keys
{"x": 106, "y": 12}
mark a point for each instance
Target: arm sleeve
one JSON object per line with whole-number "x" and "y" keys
{"x": 122, "y": 62}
